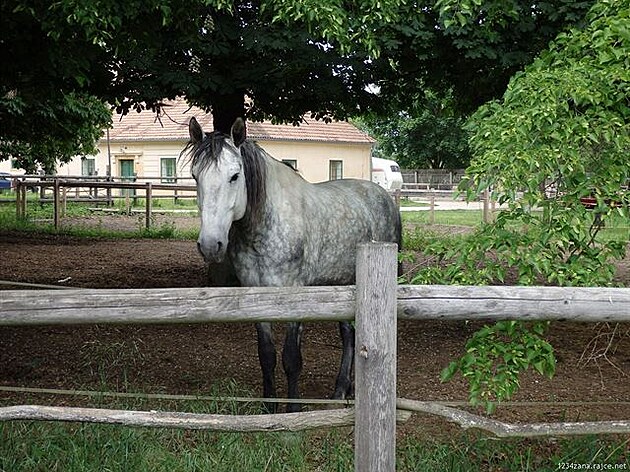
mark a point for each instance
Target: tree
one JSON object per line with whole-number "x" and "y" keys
{"x": 46, "y": 116}
{"x": 42, "y": 134}
{"x": 560, "y": 133}
{"x": 469, "y": 47}
{"x": 428, "y": 134}
{"x": 230, "y": 59}
{"x": 465, "y": 52}
{"x": 286, "y": 57}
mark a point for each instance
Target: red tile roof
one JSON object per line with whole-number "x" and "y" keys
{"x": 173, "y": 126}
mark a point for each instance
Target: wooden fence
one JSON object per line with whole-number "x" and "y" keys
{"x": 438, "y": 179}
{"x": 375, "y": 303}
{"x": 488, "y": 207}
{"x": 60, "y": 185}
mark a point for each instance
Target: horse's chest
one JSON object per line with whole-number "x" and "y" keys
{"x": 272, "y": 260}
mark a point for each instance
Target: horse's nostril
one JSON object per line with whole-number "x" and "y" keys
{"x": 219, "y": 246}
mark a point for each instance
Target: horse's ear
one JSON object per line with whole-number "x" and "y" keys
{"x": 196, "y": 133}
{"x": 238, "y": 132}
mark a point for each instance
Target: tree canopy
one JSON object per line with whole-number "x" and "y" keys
{"x": 560, "y": 133}
{"x": 273, "y": 59}
{"x": 428, "y": 134}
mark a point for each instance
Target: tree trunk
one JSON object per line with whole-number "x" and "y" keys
{"x": 226, "y": 109}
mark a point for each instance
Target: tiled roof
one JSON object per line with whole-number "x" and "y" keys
{"x": 173, "y": 126}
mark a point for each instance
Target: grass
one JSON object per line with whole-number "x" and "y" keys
{"x": 69, "y": 447}
{"x": 444, "y": 217}
{"x": 617, "y": 228}
{"x": 406, "y": 202}
{"x": 73, "y": 447}
{"x": 40, "y": 220}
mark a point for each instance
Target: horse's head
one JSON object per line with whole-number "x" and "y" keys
{"x": 217, "y": 167}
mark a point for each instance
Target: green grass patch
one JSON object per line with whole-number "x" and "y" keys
{"x": 72, "y": 447}
{"x": 40, "y": 220}
{"x": 444, "y": 217}
{"x": 406, "y": 202}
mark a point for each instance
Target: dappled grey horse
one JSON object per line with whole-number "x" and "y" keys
{"x": 277, "y": 229}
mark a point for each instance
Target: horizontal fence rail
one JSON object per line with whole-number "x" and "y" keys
{"x": 252, "y": 304}
{"x": 181, "y": 420}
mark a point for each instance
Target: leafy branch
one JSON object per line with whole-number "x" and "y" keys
{"x": 497, "y": 355}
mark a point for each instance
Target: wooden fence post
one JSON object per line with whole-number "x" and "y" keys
{"x": 432, "y": 210}
{"x": 149, "y": 204}
{"x": 375, "y": 358}
{"x": 18, "y": 199}
{"x": 56, "y": 202}
{"x": 486, "y": 206}
{"x": 64, "y": 201}
{"x": 24, "y": 202}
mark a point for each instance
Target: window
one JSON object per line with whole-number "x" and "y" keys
{"x": 168, "y": 169}
{"x": 335, "y": 170}
{"x": 291, "y": 163}
{"x": 88, "y": 166}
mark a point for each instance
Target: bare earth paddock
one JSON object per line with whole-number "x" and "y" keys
{"x": 189, "y": 359}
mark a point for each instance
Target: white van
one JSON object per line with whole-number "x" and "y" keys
{"x": 386, "y": 173}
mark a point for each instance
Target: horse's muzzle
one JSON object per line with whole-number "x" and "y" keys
{"x": 212, "y": 251}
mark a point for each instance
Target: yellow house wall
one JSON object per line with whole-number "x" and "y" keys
{"x": 312, "y": 158}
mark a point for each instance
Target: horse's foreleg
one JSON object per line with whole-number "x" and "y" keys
{"x": 267, "y": 358}
{"x": 292, "y": 362}
{"x": 343, "y": 386}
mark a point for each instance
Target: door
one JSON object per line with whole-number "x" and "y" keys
{"x": 126, "y": 172}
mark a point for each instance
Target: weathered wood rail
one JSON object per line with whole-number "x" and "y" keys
{"x": 375, "y": 303}
{"x": 251, "y": 304}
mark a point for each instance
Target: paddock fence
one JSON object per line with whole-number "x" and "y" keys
{"x": 99, "y": 190}
{"x": 433, "y": 198}
{"x": 375, "y": 303}
{"x": 103, "y": 192}
{"x": 436, "y": 179}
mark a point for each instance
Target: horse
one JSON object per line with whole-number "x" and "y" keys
{"x": 276, "y": 229}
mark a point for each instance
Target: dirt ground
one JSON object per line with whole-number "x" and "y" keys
{"x": 191, "y": 358}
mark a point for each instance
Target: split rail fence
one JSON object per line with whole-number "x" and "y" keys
{"x": 374, "y": 303}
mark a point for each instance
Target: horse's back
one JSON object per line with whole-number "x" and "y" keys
{"x": 367, "y": 201}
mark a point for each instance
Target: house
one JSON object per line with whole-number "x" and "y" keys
{"x": 140, "y": 144}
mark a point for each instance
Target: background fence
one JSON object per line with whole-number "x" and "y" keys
{"x": 437, "y": 179}
{"x": 103, "y": 191}
{"x": 377, "y": 302}
{"x": 90, "y": 190}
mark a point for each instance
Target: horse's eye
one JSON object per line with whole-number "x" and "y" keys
{"x": 234, "y": 178}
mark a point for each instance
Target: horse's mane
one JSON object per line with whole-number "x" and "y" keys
{"x": 205, "y": 153}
